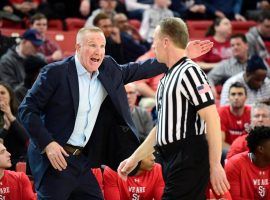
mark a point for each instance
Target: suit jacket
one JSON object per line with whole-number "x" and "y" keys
{"x": 49, "y": 110}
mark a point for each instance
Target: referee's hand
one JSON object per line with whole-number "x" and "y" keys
{"x": 126, "y": 167}
{"x": 218, "y": 179}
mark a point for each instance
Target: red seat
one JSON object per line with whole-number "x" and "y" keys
{"x": 55, "y": 24}
{"x": 21, "y": 167}
{"x": 12, "y": 32}
{"x": 66, "y": 40}
{"x": 197, "y": 29}
{"x": 135, "y": 23}
{"x": 74, "y": 24}
{"x": 242, "y": 27}
{"x": 11, "y": 24}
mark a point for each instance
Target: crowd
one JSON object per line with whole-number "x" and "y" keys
{"x": 236, "y": 67}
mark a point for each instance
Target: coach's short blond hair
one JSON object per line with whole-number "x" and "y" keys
{"x": 176, "y": 29}
{"x": 83, "y": 31}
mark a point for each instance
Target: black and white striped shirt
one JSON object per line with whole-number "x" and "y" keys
{"x": 181, "y": 93}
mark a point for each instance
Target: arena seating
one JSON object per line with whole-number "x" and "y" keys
{"x": 21, "y": 167}
{"x": 55, "y": 24}
{"x": 11, "y": 24}
{"x": 197, "y": 29}
{"x": 74, "y": 24}
{"x": 65, "y": 39}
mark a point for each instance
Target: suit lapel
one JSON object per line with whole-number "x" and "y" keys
{"x": 106, "y": 81}
{"x": 73, "y": 84}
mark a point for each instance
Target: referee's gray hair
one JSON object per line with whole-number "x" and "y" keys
{"x": 85, "y": 30}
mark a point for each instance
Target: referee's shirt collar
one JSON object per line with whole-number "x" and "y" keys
{"x": 176, "y": 64}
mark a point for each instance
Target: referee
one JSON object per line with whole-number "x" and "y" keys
{"x": 185, "y": 106}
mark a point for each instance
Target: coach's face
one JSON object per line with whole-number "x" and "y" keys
{"x": 158, "y": 46}
{"x": 91, "y": 50}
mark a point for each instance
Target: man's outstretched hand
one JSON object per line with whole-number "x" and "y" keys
{"x": 196, "y": 48}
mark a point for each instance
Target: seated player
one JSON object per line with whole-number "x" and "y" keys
{"x": 249, "y": 172}
{"x": 145, "y": 185}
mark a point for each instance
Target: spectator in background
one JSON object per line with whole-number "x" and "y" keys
{"x": 260, "y": 116}
{"x": 32, "y": 66}
{"x": 152, "y": 17}
{"x": 253, "y": 9}
{"x": 147, "y": 87}
{"x": 258, "y": 37}
{"x": 121, "y": 21}
{"x": 232, "y": 66}
{"x": 62, "y": 9}
{"x": 146, "y": 184}
{"x": 12, "y": 62}
{"x": 6, "y": 6}
{"x": 249, "y": 172}
{"x": 141, "y": 118}
{"x": 136, "y": 8}
{"x": 235, "y": 117}
{"x": 119, "y": 45}
{"x": 11, "y": 131}
{"x": 107, "y": 7}
{"x": 219, "y": 33}
{"x": 114, "y": 45}
{"x": 5, "y": 42}
{"x": 224, "y": 8}
{"x": 49, "y": 48}
{"x": 14, "y": 185}
{"x": 253, "y": 78}
{"x": 189, "y": 9}
{"x": 7, "y": 12}
{"x": 25, "y": 8}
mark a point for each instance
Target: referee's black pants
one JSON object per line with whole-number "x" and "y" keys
{"x": 185, "y": 166}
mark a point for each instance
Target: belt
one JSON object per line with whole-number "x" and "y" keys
{"x": 73, "y": 150}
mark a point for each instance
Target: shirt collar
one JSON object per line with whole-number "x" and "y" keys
{"x": 82, "y": 71}
{"x": 235, "y": 61}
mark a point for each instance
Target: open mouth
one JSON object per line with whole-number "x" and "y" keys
{"x": 95, "y": 59}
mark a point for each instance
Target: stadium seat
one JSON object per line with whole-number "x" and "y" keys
{"x": 21, "y": 167}
{"x": 74, "y": 24}
{"x": 11, "y": 24}
{"x": 135, "y": 23}
{"x": 55, "y": 24}
{"x": 197, "y": 29}
{"x": 98, "y": 174}
{"x": 242, "y": 27}
{"x": 12, "y": 32}
{"x": 66, "y": 40}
